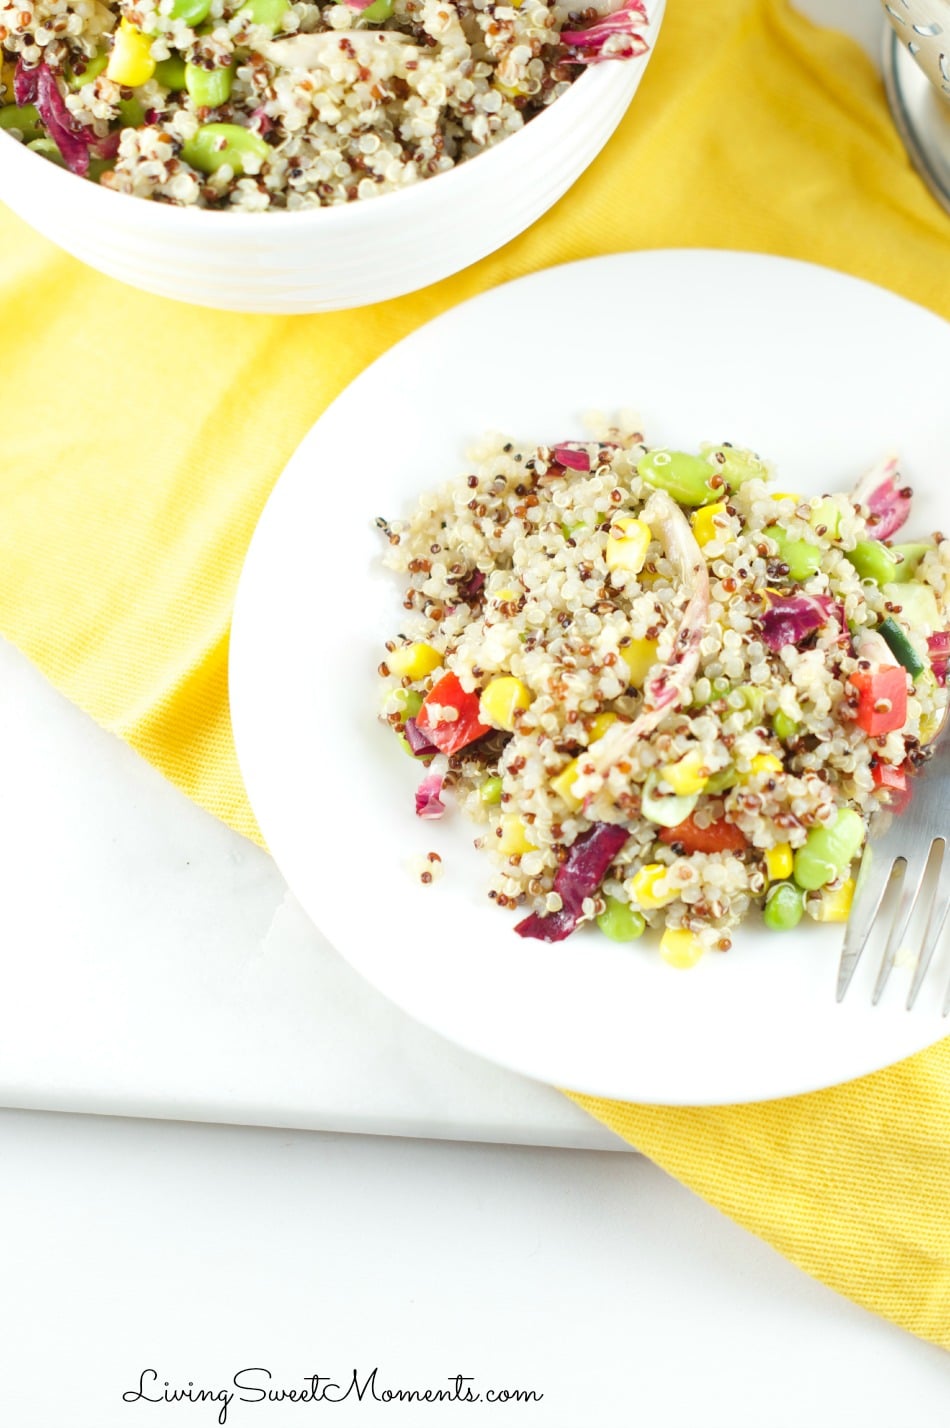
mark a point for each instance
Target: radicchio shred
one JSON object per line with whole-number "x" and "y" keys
{"x": 420, "y": 743}
{"x": 37, "y": 84}
{"x": 887, "y": 501}
{"x": 588, "y": 45}
{"x": 573, "y": 458}
{"x": 71, "y": 138}
{"x": 24, "y": 83}
{"x": 789, "y": 619}
{"x": 428, "y": 801}
{"x": 938, "y": 646}
{"x": 578, "y": 878}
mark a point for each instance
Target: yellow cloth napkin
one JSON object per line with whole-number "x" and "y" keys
{"x": 141, "y": 439}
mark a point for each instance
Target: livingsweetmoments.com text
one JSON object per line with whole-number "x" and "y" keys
{"x": 256, "y": 1385}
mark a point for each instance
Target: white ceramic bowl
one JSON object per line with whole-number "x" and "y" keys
{"x": 335, "y": 257}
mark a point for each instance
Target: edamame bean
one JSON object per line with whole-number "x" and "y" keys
{"x": 191, "y": 11}
{"x": 719, "y": 782}
{"x": 802, "y": 558}
{"x": 93, "y": 68}
{"x": 827, "y": 852}
{"x": 784, "y": 906}
{"x": 748, "y": 696}
{"x": 621, "y": 922}
{"x": 785, "y": 728}
{"x": 379, "y": 10}
{"x": 23, "y": 117}
{"x": 131, "y": 113}
{"x": 490, "y": 791}
{"x": 98, "y": 167}
{"x": 48, "y": 150}
{"x": 873, "y": 561}
{"x": 266, "y": 12}
{"x": 209, "y": 88}
{"x": 736, "y": 465}
{"x": 171, "y": 72}
{"x": 214, "y": 145}
{"x": 409, "y": 702}
{"x": 685, "y": 477}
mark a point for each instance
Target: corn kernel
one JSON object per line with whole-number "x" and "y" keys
{"x": 513, "y": 91}
{"x": 687, "y": 775}
{"x": 779, "y": 861}
{"x": 514, "y": 836}
{"x": 564, "y": 782}
{"x": 413, "y": 661}
{"x": 765, "y": 764}
{"x": 639, "y": 656}
{"x": 785, "y": 496}
{"x": 930, "y": 726}
{"x": 130, "y": 62}
{"x": 680, "y": 948}
{"x": 505, "y": 595}
{"x": 643, "y": 886}
{"x": 835, "y": 903}
{"x": 628, "y": 551}
{"x": 601, "y": 723}
{"x": 501, "y": 699}
{"x": 704, "y": 522}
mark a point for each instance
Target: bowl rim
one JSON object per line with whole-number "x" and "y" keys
{"x": 597, "y": 80}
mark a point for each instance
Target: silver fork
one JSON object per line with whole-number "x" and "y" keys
{"x": 899, "y": 849}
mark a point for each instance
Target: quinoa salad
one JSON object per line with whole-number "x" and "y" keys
{"x": 666, "y": 693}
{"x": 261, "y": 104}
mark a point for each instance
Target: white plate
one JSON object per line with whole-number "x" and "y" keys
{"x": 819, "y": 372}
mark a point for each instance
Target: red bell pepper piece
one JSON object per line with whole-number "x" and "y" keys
{"x": 895, "y": 781}
{"x": 887, "y": 776}
{"x": 882, "y": 698}
{"x": 719, "y": 837}
{"x": 449, "y": 735}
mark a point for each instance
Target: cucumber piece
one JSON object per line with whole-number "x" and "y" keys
{"x": 911, "y": 556}
{"x": 666, "y": 809}
{"x": 901, "y": 647}
{"x": 918, "y": 605}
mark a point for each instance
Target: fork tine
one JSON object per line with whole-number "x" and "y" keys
{"x": 910, "y": 891}
{"x": 939, "y": 908}
{"x": 868, "y": 896}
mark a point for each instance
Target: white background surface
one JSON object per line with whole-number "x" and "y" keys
{"x": 200, "y": 1250}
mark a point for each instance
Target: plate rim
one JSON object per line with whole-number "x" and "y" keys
{"x": 448, "y": 317}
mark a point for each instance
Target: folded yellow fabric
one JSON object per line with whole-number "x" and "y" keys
{"x": 141, "y": 439}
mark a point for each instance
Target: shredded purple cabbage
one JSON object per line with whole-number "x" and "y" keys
{"x": 71, "y": 138}
{"x": 571, "y": 457}
{"x": 428, "y": 802}
{"x": 789, "y": 619}
{"x": 419, "y": 742}
{"x": 938, "y": 646}
{"x": 262, "y": 121}
{"x": 24, "y": 83}
{"x": 888, "y": 503}
{"x": 588, "y": 45}
{"x": 578, "y": 878}
{"x": 107, "y": 147}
